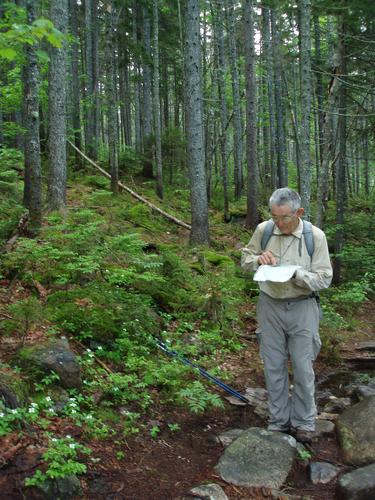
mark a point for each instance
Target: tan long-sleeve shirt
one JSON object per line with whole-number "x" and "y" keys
{"x": 316, "y": 272}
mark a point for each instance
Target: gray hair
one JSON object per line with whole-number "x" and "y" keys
{"x": 285, "y": 196}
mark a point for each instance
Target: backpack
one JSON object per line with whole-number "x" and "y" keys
{"x": 306, "y": 231}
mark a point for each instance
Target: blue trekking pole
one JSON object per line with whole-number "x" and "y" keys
{"x": 203, "y": 372}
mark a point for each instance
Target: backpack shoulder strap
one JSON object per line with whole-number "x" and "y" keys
{"x": 267, "y": 233}
{"x": 309, "y": 239}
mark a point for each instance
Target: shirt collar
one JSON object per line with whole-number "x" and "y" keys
{"x": 297, "y": 232}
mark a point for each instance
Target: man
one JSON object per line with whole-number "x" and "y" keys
{"x": 288, "y": 312}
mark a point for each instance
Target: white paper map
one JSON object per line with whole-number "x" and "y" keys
{"x": 278, "y": 274}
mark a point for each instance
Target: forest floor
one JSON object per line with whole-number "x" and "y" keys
{"x": 170, "y": 464}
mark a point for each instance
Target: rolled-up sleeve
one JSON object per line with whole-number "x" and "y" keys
{"x": 319, "y": 276}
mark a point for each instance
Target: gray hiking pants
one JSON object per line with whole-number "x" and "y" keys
{"x": 289, "y": 327}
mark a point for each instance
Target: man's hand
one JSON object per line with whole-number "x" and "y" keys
{"x": 267, "y": 258}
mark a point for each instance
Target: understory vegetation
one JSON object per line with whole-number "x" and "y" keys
{"x": 114, "y": 278}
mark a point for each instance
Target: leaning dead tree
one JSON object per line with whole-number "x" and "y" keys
{"x": 133, "y": 193}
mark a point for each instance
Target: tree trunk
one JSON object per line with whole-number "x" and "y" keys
{"x": 220, "y": 80}
{"x": 76, "y": 120}
{"x": 280, "y": 132}
{"x": 33, "y": 180}
{"x": 251, "y": 116}
{"x": 111, "y": 95}
{"x": 89, "y": 101}
{"x": 147, "y": 103}
{"x": 237, "y": 118}
{"x": 156, "y": 102}
{"x": 328, "y": 152}
{"x": 267, "y": 51}
{"x": 137, "y": 97}
{"x": 194, "y": 126}
{"x": 341, "y": 163}
{"x": 305, "y": 73}
{"x": 56, "y": 193}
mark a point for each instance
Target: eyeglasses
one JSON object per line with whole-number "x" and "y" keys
{"x": 283, "y": 218}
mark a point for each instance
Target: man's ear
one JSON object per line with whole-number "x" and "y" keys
{"x": 300, "y": 212}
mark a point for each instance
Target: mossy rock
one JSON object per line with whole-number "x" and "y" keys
{"x": 217, "y": 259}
{"x": 13, "y": 389}
{"x": 52, "y": 356}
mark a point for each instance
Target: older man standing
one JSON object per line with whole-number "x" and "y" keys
{"x": 288, "y": 311}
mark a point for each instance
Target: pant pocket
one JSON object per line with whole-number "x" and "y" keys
{"x": 316, "y": 345}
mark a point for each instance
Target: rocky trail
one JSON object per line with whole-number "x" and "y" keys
{"x": 227, "y": 453}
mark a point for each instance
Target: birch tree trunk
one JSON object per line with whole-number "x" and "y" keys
{"x": 251, "y": 116}
{"x": 194, "y": 125}
{"x": 33, "y": 181}
{"x": 156, "y": 102}
{"x": 56, "y": 192}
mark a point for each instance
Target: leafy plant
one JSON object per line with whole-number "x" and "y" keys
{"x": 197, "y": 398}
{"x": 62, "y": 461}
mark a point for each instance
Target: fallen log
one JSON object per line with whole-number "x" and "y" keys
{"x": 133, "y": 193}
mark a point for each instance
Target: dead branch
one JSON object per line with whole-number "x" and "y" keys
{"x": 133, "y": 193}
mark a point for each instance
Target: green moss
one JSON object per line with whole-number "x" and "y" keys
{"x": 217, "y": 259}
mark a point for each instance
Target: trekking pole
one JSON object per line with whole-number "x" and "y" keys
{"x": 203, "y": 372}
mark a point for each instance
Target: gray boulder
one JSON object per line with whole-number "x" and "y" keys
{"x": 337, "y": 405}
{"x": 363, "y": 391}
{"x": 322, "y": 472}
{"x": 357, "y": 485}
{"x": 356, "y": 432}
{"x": 54, "y": 355}
{"x": 258, "y": 458}
{"x": 324, "y": 427}
{"x": 208, "y": 492}
{"x": 63, "y": 488}
{"x": 227, "y": 437}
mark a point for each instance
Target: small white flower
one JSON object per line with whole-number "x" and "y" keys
{"x": 115, "y": 389}
{"x": 89, "y": 417}
{"x": 2, "y": 415}
{"x": 34, "y": 405}
{"x": 14, "y": 411}
{"x": 68, "y": 436}
{"x": 54, "y": 440}
{"x": 48, "y": 398}
{"x": 99, "y": 348}
{"x": 72, "y": 446}
{"x": 88, "y": 350}
{"x": 32, "y": 410}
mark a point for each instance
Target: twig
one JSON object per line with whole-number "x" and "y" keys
{"x": 99, "y": 361}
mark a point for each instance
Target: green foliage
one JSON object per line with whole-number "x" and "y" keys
{"x": 11, "y": 163}
{"x": 25, "y": 314}
{"x": 197, "y": 398}
{"x": 62, "y": 461}
{"x": 15, "y": 32}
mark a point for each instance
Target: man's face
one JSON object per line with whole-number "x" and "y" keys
{"x": 285, "y": 219}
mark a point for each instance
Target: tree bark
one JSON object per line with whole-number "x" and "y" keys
{"x": 156, "y": 102}
{"x": 237, "y": 117}
{"x": 194, "y": 126}
{"x": 280, "y": 132}
{"x": 56, "y": 193}
{"x": 305, "y": 73}
{"x": 75, "y": 112}
{"x": 251, "y": 116}
{"x": 33, "y": 180}
{"x": 111, "y": 95}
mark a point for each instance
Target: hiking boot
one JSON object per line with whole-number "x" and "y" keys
{"x": 304, "y": 436}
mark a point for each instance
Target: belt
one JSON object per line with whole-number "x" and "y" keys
{"x": 312, "y": 295}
